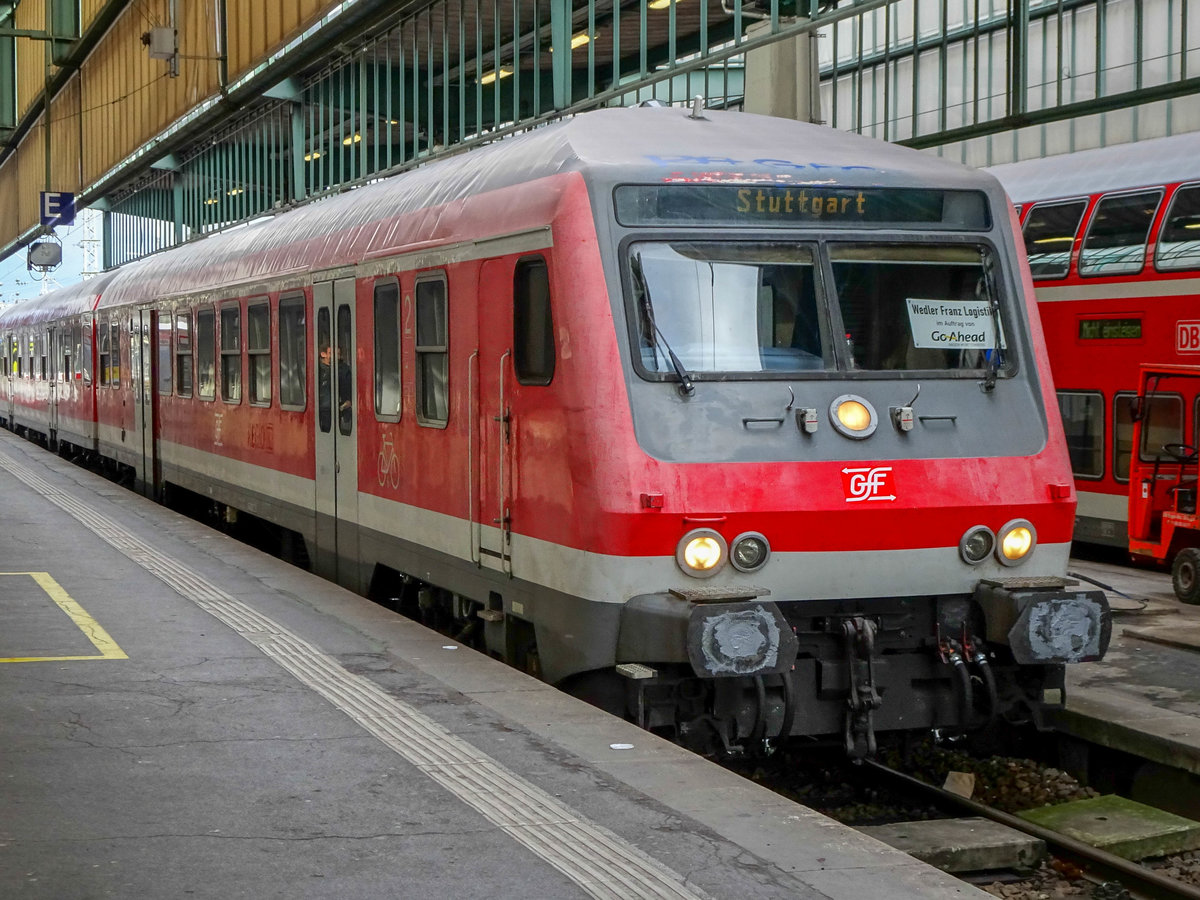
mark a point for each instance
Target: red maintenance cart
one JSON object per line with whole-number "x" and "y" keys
{"x": 1163, "y": 525}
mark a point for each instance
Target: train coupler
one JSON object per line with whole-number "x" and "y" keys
{"x": 863, "y": 699}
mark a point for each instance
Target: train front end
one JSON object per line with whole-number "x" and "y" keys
{"x": 848, "y": 449}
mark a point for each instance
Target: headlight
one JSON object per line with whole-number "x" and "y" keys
{"x": 1015, "y": 542}
{"x": 750, "y": 552}
{"x": 853, "y": 416}
{"x": 702, "y": 553}
{"x": 977, "y": 544}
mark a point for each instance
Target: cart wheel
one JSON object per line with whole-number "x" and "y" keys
{"x": 1185, "y": 575}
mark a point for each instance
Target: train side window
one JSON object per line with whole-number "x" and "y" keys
{"x": 1117, "y": 234}
{"x": 533, "y": 325}
{"x": 206, "y": 354}
{"x": 293, "y": 371}
{"x": 1163, "y": 425}
{"x": 387, "y": 350}
{"x": 433, "y": 358}
{"x": 258, "y": 348}
{"x": 231, "y": 353}
{"x": 324, "y": 371}
{"x": 104, "y": 350}
{"x": 183, "y": 354}
{"x": 85, "y": 351}
{"x": 166, "y": 378}
{"x": 114, "y": 375}
{"x": 1083, "y": 423}
{"x": 1179, "y": 239}
{"x": 1049, "y": 231}
{"x": 41, "y": 356}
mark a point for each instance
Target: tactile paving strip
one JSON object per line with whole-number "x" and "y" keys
{"x": 600, "y": 862}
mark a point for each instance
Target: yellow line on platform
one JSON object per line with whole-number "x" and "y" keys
{"x": 90, "y": 627}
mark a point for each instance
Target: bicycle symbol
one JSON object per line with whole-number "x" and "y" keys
{"x": 388, "y": 464}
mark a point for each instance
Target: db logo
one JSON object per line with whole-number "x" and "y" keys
{"x": 1187, "y": 337}
{"x": 874, "y": 483}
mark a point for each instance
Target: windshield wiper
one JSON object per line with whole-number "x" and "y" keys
{"x": 686, "y": 386}
{"x": 994, "y": 355}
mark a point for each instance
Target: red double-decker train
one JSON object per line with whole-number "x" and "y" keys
{"x": 1113, "y": 239}
{"x": 738, "y": 426}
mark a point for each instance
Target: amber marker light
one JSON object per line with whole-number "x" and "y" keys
{"x": 702, "y": 553}
{"x": 853, "y": 416}
{"x": 1015, "y": 542}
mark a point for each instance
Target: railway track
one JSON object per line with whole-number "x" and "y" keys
{"x": 1100, "y": 865}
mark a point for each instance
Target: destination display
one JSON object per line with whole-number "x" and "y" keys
{"x": 791, "y": 206}
{"x": 1109, "y": 329}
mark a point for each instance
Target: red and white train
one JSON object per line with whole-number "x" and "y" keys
{"x": 739, "y": 426}
{"x": 1113, "y": 239}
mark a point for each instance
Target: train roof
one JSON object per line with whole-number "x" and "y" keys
{"x": 646, "y": 145}
{"x": 69, "y": 301}
{"x": 1164, "y": 160}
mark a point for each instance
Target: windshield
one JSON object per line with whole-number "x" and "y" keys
{"x": 742, "y": 308}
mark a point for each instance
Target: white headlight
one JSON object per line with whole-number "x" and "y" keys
{"x": 702, "y": 553}
{"x": 1015, "y": 542}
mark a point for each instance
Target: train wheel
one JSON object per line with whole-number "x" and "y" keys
{"x": 1185, "y": 575}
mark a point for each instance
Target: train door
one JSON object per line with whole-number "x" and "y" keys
{"x": 10, "y": 365}
{"x": 492, "y": 527}
{"x": 143, "y": 365}
{"x": 336, "y": 432}
{"x": 53, "y": 360}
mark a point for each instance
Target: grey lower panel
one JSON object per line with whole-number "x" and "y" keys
{"x": 1106, "y": 532}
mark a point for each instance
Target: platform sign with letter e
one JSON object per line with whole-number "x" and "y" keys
{"x": 58, "y": 208}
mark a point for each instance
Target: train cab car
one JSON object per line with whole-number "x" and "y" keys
{"x": 738, "y": 426}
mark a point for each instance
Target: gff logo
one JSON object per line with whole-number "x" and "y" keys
{"x": 872, "y": 483}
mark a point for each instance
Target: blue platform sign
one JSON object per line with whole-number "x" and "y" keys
{"x": 58, "y": 208}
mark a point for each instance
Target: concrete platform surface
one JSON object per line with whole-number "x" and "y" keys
{"x": 1120, "y": 826}
{"x": 182, "y": 716}
{"x": 970, "y": 844}
{"x": 1144, "y": 696}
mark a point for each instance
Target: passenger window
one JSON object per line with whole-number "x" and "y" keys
{"x": 104, "y": 350}
{"x": 114, "y": 377}
{"x": 206, "y": 354}
{"x": 1083, "y": 422}
{"x": 183, "y": 354}
{"x": 166, "y": 378}
{"x": 231, "y": 353}
{"x": 533, "y": 325}
{"x": 258, "y": 325}
{"x": 344, "y": 359}
{"x": 1049, "y": 232}
{"x": 1116, "y": 238}
{"x": 433, "y": 358}
{"x": 1179, "y": 239}
{"x": 387, "y": 350}
{"x": 293, "y": 370}
{"x": 324, "y": 371}
{"x": 86, "y": 353}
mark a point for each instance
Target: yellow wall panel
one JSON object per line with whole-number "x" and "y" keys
{"x": 65, "y": 139}
{"x": 259, "y": 27}
{"x": 128, "y": 98}
{"x": 88, "y": 10}
{"x": 9, "y": 200}
{"x": 31, "y": 55}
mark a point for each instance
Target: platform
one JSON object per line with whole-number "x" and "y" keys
{"x": 181, "y": 715}
{"x": 1144, "y": 696}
